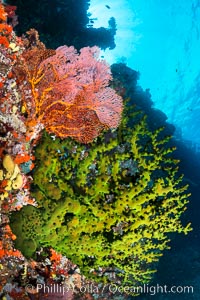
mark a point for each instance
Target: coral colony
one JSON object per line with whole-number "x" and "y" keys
{"x": 88, "y": 193}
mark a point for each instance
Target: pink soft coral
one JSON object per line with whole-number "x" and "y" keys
{"x": 71, "y": 93}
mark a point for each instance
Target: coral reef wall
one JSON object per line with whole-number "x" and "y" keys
{"x": 89, "y": 191}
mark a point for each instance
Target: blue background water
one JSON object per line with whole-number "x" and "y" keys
{"x": 160, "y": 39}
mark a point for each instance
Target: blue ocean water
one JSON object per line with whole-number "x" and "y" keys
{"x": 161, "y": 40}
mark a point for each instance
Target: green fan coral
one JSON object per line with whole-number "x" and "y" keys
{"x": 108, "y": 206}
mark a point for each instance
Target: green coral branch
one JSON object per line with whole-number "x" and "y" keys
{"x": 109, "y": 205}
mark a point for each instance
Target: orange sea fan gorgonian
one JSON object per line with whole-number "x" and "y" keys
{"x": 68, "y": 92}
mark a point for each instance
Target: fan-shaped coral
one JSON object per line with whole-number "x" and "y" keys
{"x": 68, "y": 92}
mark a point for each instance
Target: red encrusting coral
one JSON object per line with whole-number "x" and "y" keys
{"x": 6, "y": 247}
{"x": 3, "y": 14}
{"x": 5, "y": 29}
{"x": 14, "y": 183}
